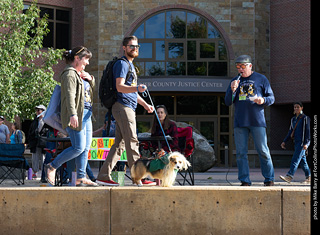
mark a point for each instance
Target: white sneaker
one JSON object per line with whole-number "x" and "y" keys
{"x": 286, "y": 178}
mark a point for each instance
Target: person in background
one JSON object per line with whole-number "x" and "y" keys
{"x": 4, "y": 132}
{"x": 299, "y": 132}
{"x": 76, "y": 111}
{"x": 33, "y": 137}
{"x": 250, "y": 92}
{"x": 169, "y": 127}
{"x": 102, "y": 131}
{"x": 16, "y": 136}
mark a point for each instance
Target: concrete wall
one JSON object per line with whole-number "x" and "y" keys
{"x": 176, "y": 210}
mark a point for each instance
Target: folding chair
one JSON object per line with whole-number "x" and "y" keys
{"x": 11, "y": 158}
{"x": 186, "y": 145}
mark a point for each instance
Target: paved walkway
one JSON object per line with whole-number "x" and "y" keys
{"x": 213, "y": 177}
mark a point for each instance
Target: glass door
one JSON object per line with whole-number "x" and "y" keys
{"x": 208, "y": 127}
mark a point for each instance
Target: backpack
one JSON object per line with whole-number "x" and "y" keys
{"x": 107, "y": 89}
{"x": 23, "y": 137}
{"x": 22, "y": 134}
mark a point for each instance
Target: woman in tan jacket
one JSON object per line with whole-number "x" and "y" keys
{"x": 76, "y": 111}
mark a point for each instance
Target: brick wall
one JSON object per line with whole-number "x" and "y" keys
{"x": 290, "y": 50}
{"x": 77, "y": 25}
{"x": 290, "y": 63}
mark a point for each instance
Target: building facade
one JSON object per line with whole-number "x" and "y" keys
{"x": 187, "y": 55}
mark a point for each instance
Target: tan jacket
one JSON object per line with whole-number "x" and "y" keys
{"x": 72, "y": 96}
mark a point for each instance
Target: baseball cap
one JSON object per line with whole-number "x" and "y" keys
{"x": 1, "y": 117}
{"x": 41, "y": 107}
{"x": 244, "y": 59}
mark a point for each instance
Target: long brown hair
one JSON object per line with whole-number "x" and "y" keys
{"x": 166, "y": 121}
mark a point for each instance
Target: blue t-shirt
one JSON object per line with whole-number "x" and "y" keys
{"x": 247, "y": 113}
{"x": 121, "y": 69}
{"x": 4, "y": 131}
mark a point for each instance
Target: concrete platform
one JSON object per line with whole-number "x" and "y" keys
{"x": 213, "y": 206}
{"x": 154, "y": 210}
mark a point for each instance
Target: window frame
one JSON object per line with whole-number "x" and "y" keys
{"x": 218, "y": 41}
{"x": 55, "y": 22}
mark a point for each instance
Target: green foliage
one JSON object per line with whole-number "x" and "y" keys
{"x": 26, "y": 75}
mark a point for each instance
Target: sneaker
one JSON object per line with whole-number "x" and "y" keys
{"x": 307, "y": 181}
{"x": 286, "y": 178}
{"x": 34, "y": 176}
{"x": 148, "y": 182}
{"x": 107, "y": 182}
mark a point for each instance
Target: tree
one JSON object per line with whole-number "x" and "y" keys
{"x": 26, "y": 74}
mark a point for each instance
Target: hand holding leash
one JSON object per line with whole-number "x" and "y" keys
{"x": 141, "y": 88}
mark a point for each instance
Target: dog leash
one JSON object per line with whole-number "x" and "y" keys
{"x": 145, "y": 94}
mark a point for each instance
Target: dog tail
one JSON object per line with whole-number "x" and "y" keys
{"x": 137, "y": 171}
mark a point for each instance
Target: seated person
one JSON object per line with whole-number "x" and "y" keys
{"x": 169, "y": 127}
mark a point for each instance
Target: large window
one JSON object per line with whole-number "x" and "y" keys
{"x": 59, "y": 24}
{"x": 180, "y": 43}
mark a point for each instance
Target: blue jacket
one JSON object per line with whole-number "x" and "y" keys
{"x": 302, "y": 131}
{"x": 247, "y": 113}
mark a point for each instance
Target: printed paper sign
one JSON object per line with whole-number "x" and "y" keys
{"x": 100, "y": 148}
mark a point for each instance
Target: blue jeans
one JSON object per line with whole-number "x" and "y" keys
{"x": 81, "y": 141}
{"x": 299, "y": 157}
{"x": 241, "y": 136}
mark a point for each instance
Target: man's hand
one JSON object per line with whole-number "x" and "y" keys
{"x": 234, "y": 85}
{"x": 141, "y": 88}
{"x": 149, "y": 108}
{"x": 259, "y": 100}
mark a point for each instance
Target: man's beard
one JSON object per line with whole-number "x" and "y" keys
{"x": 133, "y": 54}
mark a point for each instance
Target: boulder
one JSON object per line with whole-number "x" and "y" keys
{"x": 203, "y": 154}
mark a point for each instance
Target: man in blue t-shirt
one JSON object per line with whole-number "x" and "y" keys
{"x": 124, "y": 111}
{"x": 250, "y": 92}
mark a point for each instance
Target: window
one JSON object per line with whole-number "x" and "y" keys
{"x": 180, "y": 43}
{"x": 59, "y": 21}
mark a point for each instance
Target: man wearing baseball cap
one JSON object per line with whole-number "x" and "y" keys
{"x": 4, "y": 132}
{"x": 250, "y": 92}
{"x": 33, "y": 137}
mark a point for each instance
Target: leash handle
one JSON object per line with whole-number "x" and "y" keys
{"x": 145, "y": 94}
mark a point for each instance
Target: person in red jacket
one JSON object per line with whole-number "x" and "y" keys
{"x": 169, "y": 127}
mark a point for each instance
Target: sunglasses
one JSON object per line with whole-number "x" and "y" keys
{"x": 242, "y": 66}
{"x": 132, "y": 47}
